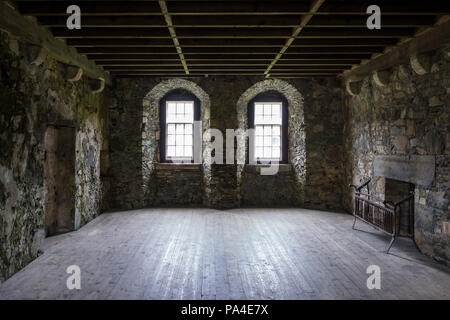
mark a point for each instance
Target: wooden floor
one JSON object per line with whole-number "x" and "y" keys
{"x": 236, "y": 254}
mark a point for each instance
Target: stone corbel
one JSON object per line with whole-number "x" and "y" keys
{"x": 421, "y": 63}
{"x": 353, "y": 88}
{"x": 97, "y": 85}
{"x": 36, "y": 55}
{"x": 382, "y": 77}
{"x": 71, "y": 73}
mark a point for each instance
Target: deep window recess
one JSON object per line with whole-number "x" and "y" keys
{"x": 178, "y": 113}
{"x": 179, "y": 129}
{"x": 267, "y": 115}
{"x": 268, "y": 131}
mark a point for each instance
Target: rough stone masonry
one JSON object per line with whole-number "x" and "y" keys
{"x": 334, "y": 140}
{"x": 407, "y": 118}
{"x": 32, "y": 97}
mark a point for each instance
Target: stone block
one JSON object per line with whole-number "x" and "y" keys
{"x": 439, "y": 200}
{"x": 446, "y": 228}
{"x": 419, "y": 170}
{"x": 434, "y": 101}
{"x": 400, "y": 143}
{"x": 410, "y": 128}
{"x": 424, "y": 219}
{"x": 434, "y": 142}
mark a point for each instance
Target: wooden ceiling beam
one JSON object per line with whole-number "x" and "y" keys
{"x": 205, "y": 43}
{"x": 287, "y": 21}
{"x": 226, "y": 69}
{"x": 314, "y": 7}
{"x": 219, "y": 57}
{"x": 207, "y": 8}
{"x": 222, "y": 63}
{"x": 233, "y": 37}
{"x": 259, "y": 65}
{"x": 176, "y": 74}
{"x": 228, "y": 50}
{"x": 173, "y": 34}
{"x": 237, "y": 33}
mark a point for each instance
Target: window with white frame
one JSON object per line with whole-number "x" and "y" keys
{"x": 179, "y": 130}
{"x": 268, "y": 129}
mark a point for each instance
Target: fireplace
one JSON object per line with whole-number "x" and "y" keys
{"x": 395, "y": 192}
{"x": 390, "y": 208}
{"x": 402, "y": 174}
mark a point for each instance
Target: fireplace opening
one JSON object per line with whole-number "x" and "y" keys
{"x": 395, "y": 192}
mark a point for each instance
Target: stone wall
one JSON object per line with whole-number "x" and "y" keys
{"x": 321, "y": 167}
{"x": 32, "y": 97}
{"x": 151, "y": 132}
{"x": 407, "y": 118}
{"x": 176, "y": 185}
{"x": 282, "y": 189}
{"x": 264, "y": 191}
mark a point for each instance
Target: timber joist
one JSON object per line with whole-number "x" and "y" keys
{"x": 153, "y": 37}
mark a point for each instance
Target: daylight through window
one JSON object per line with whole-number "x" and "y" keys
{"x": 179, "y": 122}
{"x": 268, "y": 125}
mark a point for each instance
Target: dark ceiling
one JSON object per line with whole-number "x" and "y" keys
{"x": 193, "y": 38}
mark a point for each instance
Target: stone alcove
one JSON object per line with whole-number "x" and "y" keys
{"x": 151, "y": 130}
{"x": 295, "y": 171}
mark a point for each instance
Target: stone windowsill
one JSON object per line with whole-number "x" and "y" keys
{"x": 178, "y": 166}
{"x": 256, "y": 168}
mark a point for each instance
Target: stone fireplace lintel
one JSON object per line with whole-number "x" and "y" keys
{"x": 416, "y": 169}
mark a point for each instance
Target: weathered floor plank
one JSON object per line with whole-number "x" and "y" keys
{"x": 235, "y": 254}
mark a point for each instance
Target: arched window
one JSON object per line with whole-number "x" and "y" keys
{"x": 178, "y": 111}
{"x": 268, "y": 116}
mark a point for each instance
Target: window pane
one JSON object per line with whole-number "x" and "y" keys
{"x": 171, "y": 140}
{"x": 188, "y": 151}
{"x": 188, "y": 140}
{"x": 171, "y": 118}
{"x": 259, "y": 152}
{"x": 259, "y": 141}
{"x": 276, "y": 118}
{"x": 268, "y": 121}
{"x": 189, "y": 108}
{"x": 171, "y": 151}
{"x": 276, "y": 109}
{"x": 276, "y": 141}
{"x": 259, "y": 130}
{"x": 276, "y": 130}
{"x": 259, "y": 119}
{"x": 179, "y": 118}
{"x": 276, "y": 153}
{"x": 180, "y": 108}
{"x": 180, "y": 128}
{"x": 171, "y": 108}
{"x": 259, "y": 109}
{"x": 179, "y": 151}
{"x": 170, "y": 128}
{"x": 183, "y": 118}
{"x": 180, "y": 140}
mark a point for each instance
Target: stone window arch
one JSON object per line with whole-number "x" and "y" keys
{"x": 296, "y": 127}
{"x": 151, "y": 125}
